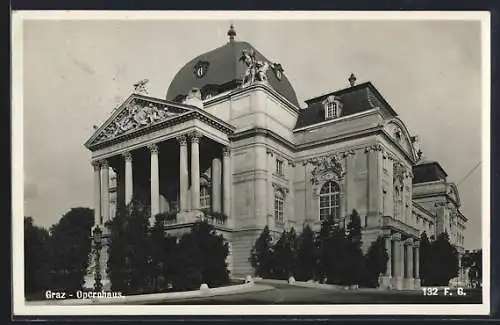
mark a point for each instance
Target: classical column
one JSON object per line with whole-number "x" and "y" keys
{"x": 195, "y": 170}
{"x": 398, "y": 263}
{"x": 408, "y": 246}
{"x": 416, "y": 263}
{"x": 129, "y": 180}
{"x": 226, "y": 186}
{"x": 388, "y": 247}
{"x": 155, "y": 181}
{"x": 97, "y": 192}
{"x": 105, "y": 190}
{"x": 216, "y": 185}
{"x": 183, "y": 172}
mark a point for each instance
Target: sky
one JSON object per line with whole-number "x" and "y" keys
{"x": 76, "y": 72}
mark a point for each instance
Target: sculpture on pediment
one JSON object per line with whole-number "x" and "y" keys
{"x": 140, "y": 86}
{"x": 326, "y": 168}
{"x": 135, "y": 115}
{"x": 256, "y": 69}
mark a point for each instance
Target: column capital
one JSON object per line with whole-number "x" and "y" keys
{"x": 408, "y": 242}
{"x": 386, "y": 233}
{"x": 153, "y": 147}
{"x": 396, "y": 236}
{"x": 182, "y": 139}
{"x": 195, "y": 136}
{"x": 127, "y": 156}
{"x": 96, "y": 164}
{"x": 226, "y": 151}
{"x": 416, "y": 243}
{"x": 104, "y": 163}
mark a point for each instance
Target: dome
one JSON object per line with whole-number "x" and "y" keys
{"x": 221, "y": 70}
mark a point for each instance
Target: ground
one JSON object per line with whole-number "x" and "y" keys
{"x": 289, "y": 294}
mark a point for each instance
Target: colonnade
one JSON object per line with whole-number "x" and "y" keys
{"x": 403, "y": 264}
{"x": 101, "y": 179}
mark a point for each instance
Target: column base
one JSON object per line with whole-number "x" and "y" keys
{"x": 385, "y": 282}
{"x": 416, "y": 284}
{"x": 408, "y": 283}
{"x": 397, "y": 283}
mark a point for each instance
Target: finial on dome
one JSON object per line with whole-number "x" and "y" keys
{"x": 352, "y": 79}
{"x": 231, "y": 33}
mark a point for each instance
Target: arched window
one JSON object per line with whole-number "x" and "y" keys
{"x": 329, "y": 200}
{"x": 205, "y": 198}
{"x": 279, "y": 206}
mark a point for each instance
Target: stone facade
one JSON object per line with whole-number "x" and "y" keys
{"x": 243, "y": 152}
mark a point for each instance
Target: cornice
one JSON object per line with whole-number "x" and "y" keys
{"x": 238, "y": 91}
{"x": 263, "y": 132}
{"x": 183, "y": 117}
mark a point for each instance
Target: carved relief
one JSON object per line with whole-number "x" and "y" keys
{"x": 278, "y": 70}
{"x": 282, "y": 188}
{"x": 375, "y": 147}
{"x": 326, "y": 168}
{"x": 137, "y": 114}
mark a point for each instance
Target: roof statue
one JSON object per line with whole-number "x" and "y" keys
{"x": 256, "y": 69}
{"x": 140, "y": 86}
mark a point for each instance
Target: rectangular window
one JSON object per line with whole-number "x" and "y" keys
{"x": 331, "y": 110}
{"x": 279, "y": 167}
{"x": 279, "y": 204}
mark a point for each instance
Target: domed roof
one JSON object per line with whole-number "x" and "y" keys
{"x": 221, "y": 70}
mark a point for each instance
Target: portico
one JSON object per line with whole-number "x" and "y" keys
{"x": 402, "y": 270}
{"x": 163, "y": 168}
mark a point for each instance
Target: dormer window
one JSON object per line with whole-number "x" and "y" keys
{"x": 332, "y": 107}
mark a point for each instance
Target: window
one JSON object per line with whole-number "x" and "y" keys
{"x": 205, "y": 197}
{"x": 331, "y": 109}
{"x": 329, "y": 200}
{"x": 279, "y": 167}
{"x": 279, "y": 204}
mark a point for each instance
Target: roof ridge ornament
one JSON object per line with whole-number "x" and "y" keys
{"x": 352, "y": 79}
{"x": 231, "y": 33}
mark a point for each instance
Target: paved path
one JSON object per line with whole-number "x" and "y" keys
{"x": 289, "y": 294}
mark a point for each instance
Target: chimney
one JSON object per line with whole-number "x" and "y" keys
{"x": 194, "y": 98}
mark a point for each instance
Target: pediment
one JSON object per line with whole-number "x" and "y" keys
{"x": 136, "y": 113}
{"x": 452, "y": 192}
{"x": 400, "y": 135}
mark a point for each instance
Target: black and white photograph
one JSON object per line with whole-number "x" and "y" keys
{"x": 283, "y": 163}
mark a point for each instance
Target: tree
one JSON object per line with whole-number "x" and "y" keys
{"x": 285, "y": 255}
{"x": 352, "y": 262}
{"x": 425, "y": 266}
{"x": 327, "y": 250}
{"x": 331, "y": 245}
{"x": 261, "y": 254}
{"x": 376, "y": 262}
{"x": 188, "y": 266}
{"x": 306, "y": 255}
{"x": 473, "y": 262}
{"x": 36, "y": 258}
{"x": 129, "y": 265}
{"x": 71, "y": 246}
{"x": 444, "y": 260}
{"x": 215, "y": 250}
{"x": 353, "y": 232}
